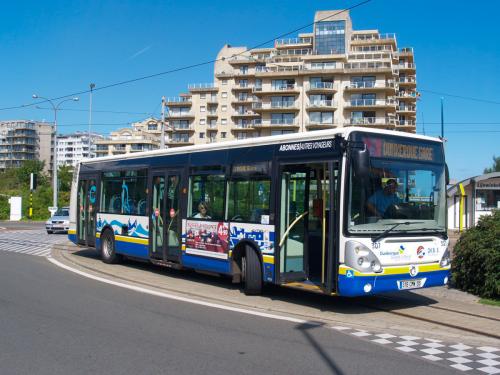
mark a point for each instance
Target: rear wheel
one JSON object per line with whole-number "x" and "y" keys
{"x": 252, "y": 272}
{"x": 108, "y": 253}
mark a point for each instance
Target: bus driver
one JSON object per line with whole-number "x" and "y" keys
{"x": 382, "y": 199}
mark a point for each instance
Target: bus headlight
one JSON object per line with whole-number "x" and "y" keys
{"x": 361, "y": 258}
{"x": 445, "y": 260}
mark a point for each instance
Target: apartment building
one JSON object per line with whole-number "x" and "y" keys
{"x": 332, "y": 77}
{"x": 22, "y": 140}
{"x": 141, "y": 136}
{"x": 71, "y": 148}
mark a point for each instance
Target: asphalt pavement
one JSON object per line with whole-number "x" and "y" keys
{"x": 57, "y": 322}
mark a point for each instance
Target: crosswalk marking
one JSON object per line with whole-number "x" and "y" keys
{"x": 30, "y": 242}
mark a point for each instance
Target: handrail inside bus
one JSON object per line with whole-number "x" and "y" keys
{"x": 285, "y": 235}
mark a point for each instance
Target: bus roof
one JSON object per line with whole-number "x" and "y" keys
{"x": 260, "y": 141}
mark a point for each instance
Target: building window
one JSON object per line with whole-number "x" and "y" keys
{"x": 223, "y": 134}
{"x": 224, "y": 82}
{"x": 223, "y": 121}
{"x": 202, "y": 95}
{"x": 321, "y": 117}
{"x": 203, "y": 108}
{"x": 202, "y": 135}
{"x": 224, "y": 95}
{"x": 223, "y": 108}
{"x": 329, "y": 37}
{"x": 203, "y": 121}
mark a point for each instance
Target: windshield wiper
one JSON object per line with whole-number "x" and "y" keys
{"x": 385, "y": 232}
{"x": 436, "y": 231}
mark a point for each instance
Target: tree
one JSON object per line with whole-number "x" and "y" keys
{"x": 65, "y": 175}
{"x": 28, "y": 167}
{"x": 495, "y": 167}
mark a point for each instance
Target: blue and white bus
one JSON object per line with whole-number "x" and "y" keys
{"x": 350, "y": 211}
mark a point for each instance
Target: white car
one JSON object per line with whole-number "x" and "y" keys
{"x": 59, "y": 222}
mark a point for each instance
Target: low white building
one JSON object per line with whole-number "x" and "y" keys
{"x": 482, "y": 196}
{"x": 71, "y": 148}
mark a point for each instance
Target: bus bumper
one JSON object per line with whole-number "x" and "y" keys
{"x": 352, "y": 283}
{"x": 72, "y": 235}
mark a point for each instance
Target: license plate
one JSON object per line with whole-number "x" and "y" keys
{"x": 410, "y": 284}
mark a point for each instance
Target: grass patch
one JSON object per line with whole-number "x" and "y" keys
{"x": 492, "y": 302}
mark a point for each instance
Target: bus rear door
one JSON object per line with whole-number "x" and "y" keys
{"x": 87, "y": 207}
{"x": 165, "y": 217}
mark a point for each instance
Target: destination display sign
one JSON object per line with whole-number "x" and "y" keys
{"x": 394, "y": 148}
{"x": 326, "y": 145}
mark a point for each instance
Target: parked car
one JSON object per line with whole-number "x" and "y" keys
{"x": 59, "y": 222}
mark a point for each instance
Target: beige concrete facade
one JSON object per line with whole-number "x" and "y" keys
{"x": 142, "y": 136}
{"x": 332, "y": 77}
{"x": 22, "y": 140}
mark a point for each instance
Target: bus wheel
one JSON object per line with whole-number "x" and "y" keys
{"x": 108, "y": 253}
{"x": 252, "y": 272}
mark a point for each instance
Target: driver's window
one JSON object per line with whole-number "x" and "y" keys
{"x": 248, "y": 200}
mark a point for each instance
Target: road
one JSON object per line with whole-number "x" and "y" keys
{"x": 56, "y": 322}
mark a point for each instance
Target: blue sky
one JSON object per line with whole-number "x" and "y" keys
{"x": 55, "y": 48}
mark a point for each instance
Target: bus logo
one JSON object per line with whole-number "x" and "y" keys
{"x": 420, "y": 252}
{"x": 401, "y": 250}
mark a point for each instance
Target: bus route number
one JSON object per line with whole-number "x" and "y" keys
{"x": 375, "y": 245}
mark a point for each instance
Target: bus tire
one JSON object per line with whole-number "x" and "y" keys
{"x": 252, "y": 275}
{"x": 108, "y": 253}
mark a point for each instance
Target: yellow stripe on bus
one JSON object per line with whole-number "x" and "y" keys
{"x": 71, "y": 231}
{"x": 268, "y": 259}
{"x": 395, "y": 270}
{"x": 142, "y": 241}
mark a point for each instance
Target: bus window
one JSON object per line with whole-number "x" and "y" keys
{"x": 249, "y": 200}
{"x": 124, "y": 192}
{"x": 206, "y": 191}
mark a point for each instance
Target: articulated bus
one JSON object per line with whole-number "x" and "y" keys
{"x": 347, "y": 212}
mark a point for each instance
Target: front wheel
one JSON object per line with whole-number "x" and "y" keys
{"x": 108, "y": 253}
{"x": 252, "y": 272}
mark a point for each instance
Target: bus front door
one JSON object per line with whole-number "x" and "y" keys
{"x": 305, "y": 218}
{"x": 165, "y": 219}
{"x": 87, "y": 207}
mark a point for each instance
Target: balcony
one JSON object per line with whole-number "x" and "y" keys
{"x": 292, "y": 42}
{"x": 274, "y": 106}
{"x": 407, "y": 81}
{"x": 119, "y": 150}
{"x": 180, "y": 115}
{"x": 282, "y": 89}
{"x": 245, "y": 114}
{"x": 370, "y": 103}
{"x": 243, "y": 100}
{"x": 211, "y": 114}
{"x": 407, "y": 109}
{"x": 323, "y": 68}
{"x": 321, "y": 87}
{"x": 202, "y": 87}
{"x": 407, "y": 66}
{"x": 183, "y": 128}
{"x": 319, "y": 125}
{"x": 368, "y": 67}
{"x": 276, "y": 71}
{"x": 243, "y": 127}
{"x": 178, "y": 101}
{"x": 242, "y": 87}
{"x": 321, "y": 104}
{"x": 370, "y": 86}
{"x": 224, "y": 74}
{"x": 276, "y": 124}
{"x": 357, "y": 39}
{"x": 180, "y": 141}
{"x": 405, "y": 51}
{"x": 403, "y": 95}
{"x": 382, "y": 122}
{"x": 212, "y": 100}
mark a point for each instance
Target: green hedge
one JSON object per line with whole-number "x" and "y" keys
{"x": 476, "y": 260}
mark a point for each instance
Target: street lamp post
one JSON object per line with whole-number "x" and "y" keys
{"x": 92, "y": 86}
{"x": 55, "y": 107}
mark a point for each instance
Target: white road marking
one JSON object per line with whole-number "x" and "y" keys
{"x": 178, "y": 298}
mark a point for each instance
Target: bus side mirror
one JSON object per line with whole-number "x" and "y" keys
{"x": 447, "y": 174}
{"x": 360, "y": 162}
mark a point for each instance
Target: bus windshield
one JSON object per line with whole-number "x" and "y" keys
{"x": 398, "y": 191}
